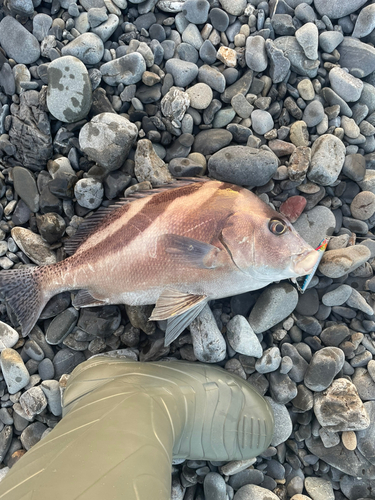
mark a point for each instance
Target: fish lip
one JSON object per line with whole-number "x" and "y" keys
{"x": 305, "y": 262}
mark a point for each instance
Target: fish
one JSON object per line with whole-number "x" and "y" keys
{"x": 177, "y": 247}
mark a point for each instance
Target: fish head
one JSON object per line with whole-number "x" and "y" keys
{"x": 264, "y": 244}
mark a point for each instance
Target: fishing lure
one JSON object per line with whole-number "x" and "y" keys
{"x": 321, "y": 248}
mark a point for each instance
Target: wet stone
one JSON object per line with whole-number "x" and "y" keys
{"x": 46, "y": 369}
{"x": 18, "y": 42}
{"x": 61, "y": 326}
{"x": 127, "y": 69}
{"x": 214, "y": 487}
{"x": 87, "y": 47}
{"x": 336, "y": 263}
{"x": 66, "y": 360}
{"x": 33, "y": 246}
{"x": 32, "y": 434}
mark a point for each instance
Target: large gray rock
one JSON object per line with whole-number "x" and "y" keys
{"x": 366, "y": 437}
{"x": 107, "y": 139}
{"x": 88, "y": 47}
{"x": 335, "y": 9}
{"x": 327, "y": 160}
{"x": 357, "y": 56}
{"x": 315, "y": 225}
{"x": 274, "y": 304}
{"x": 69, "y": 89}
{"x": 336, "y": 263}
{"x": 243, "y": 165}
{"x": 323, "y": 367}
{"x": 208, "y": 343}
{"x": 298, "y": 60}
{"x": 18, "y": 42}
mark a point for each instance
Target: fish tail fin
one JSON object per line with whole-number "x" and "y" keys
{"x": 22, "y": 291}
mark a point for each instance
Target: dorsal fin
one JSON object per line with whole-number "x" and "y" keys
{"x": 89, "y": 225}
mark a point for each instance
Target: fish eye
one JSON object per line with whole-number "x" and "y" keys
{"x": 277, "y": 226}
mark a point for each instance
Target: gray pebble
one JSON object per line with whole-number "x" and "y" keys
{"x": 243, "y": 165}
{"x": 365, "y": 22}
{"x": 254, "y": 492}
{"x": 212, "y": 77}
{"x": 33, "y": 401}
{"x": 127, "y": 69}
{"x": 183, "y": 72}
{"x": 242, "y": 338}
{"x": 214, "y": 487}
{"x": 32, "y": 434}
{"x": 8, "y": 336}
{"x": 329, "y": 40}
{"x": 337, "y": 263}
{"x": 327, "y": 160}
{"x": 18, "y": 42}
{"x": 307, "y": 37}
{"x": 323, "y": 367}
{"x": 46, "y": 369}
{"x": 357, "y": 57}
{"x": 87, "y": 47}
{"x": 89, "y": 193}
{"x": 107, "y": 139}
{"x": 313, "y": 113}
{"x": 261, "y": 121}
{"x": 256, "y": 55}
{"x": 269, "y": 362}
{"x": 14, "y": 371}
{"x": 51, "y": 390}
{"x": 106, "y": 29}
{"x": 208, "y": 342}
{"x": 345, "y": 85}
{"x": 69, "y": 89}
{"x": 274, "y": 304}
{"x": 196, "y": 11}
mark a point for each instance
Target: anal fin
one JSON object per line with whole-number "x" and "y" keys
{"x": 85, "y": 299}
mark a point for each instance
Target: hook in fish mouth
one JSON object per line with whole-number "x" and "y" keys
{"x": 305, "y": 262}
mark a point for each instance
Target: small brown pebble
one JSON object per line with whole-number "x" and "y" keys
{"x": 150, "y": 79}
{"x": 349, "y": 440}
{"x": 227, "y": 56}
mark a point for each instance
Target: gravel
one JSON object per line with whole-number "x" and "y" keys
{"x": 100, "y": 99}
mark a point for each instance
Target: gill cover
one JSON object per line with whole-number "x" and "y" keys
{"x": 237, "y": 237}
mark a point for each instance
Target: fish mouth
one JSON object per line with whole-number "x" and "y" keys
{"x": 306, "y": 262}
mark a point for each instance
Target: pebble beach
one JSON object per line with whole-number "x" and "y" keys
{"x": 100, "y": 99}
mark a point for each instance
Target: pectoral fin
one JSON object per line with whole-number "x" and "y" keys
{"x": 190, "y": 251}
{"x": 179, "y": 309}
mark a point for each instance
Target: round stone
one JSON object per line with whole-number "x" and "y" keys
{"x": 219, "y": 19}
{"x": 254, "y": 492}
{"x": 88, "y": 48}
{"x": 107, "y": 139}
{"x": 306, "y": 89}
{"x": 313, "y": 113}
{"x": 200, "y": 95}
{"x": 261, "y": 121}
{"x": 323, "y": 367}
{"x": 196, "y": 11}
{"x": 89, "y": 193}
{"x": 183, "y": 72}
{"x": 69, "y": 89}
{"x": 363, "y": 205}
{"x": 127, "y": 69}
{"x": 337, "y": 263}
{"x": 337, "y": 8}
{"x": 233, "y": 7}
{"x": 210, "y": 141}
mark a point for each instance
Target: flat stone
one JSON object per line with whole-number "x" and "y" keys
{"x": 243, "y": 165}
{"x": 357, "y": 56}
{"x": 327, "y": 160}
{"x": 256, "y": 55}
{"x": 254, "y": 492}
{"x": 69, "y": 89}
{"x": 365, "y": 437}
{"x": 8, "y": 336}
{"x": 261, "y": 121}
{"x": 235, "y": 8}
{"x": 365, "y": 22}
{"x": 18, "y": 42}
{"x": 200, "y": 95}
{"x": 283, "y": 422}
{"x": 14, "y": 370}
{"x": 208, "y": 343}
{"x": 209, "y": 142}
{"x": 107, "y": 139}
{"x": 183, "y": 72}
{"x": 352, "y": 463}
{"x": 315, "y": 225}
{"x": 279, "y": 65}
{"x": 32, "y": 434}
{"x": 307, "y": 36}
{"x": 33, "y": 246}
{"x": 337, "y": 263}
{"x": 196, "y": 11}
{"x": 345, "y": 85}
{"x": 274, "y": 304}
{"x": 329, "y": 40}
{"x": 212, "y": 77}
{"x": 214, "y": 487}
{"x": 88, "y": 48}
{"x": 337, "y": 8}
{"x": 319, "y": 488}
{"x": 25, "y": 187}
{"x": 363, "y": 205}
{"x": 294, "y": 52}
{"x": 242, "y": 338}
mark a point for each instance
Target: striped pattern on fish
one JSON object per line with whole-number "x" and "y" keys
{"x": 178, "y": 248}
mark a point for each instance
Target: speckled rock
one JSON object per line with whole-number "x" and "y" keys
{"x": 14, "y": 370}
{"x": 107, "y": 139}
{"x": 327, "y": 160}
{"x": 148, "y": 165}
{"x": 336, "y": 263}
{"x": 69, "y": 89}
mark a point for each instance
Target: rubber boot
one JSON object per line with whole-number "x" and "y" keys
{"x": 123, "y": 421}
